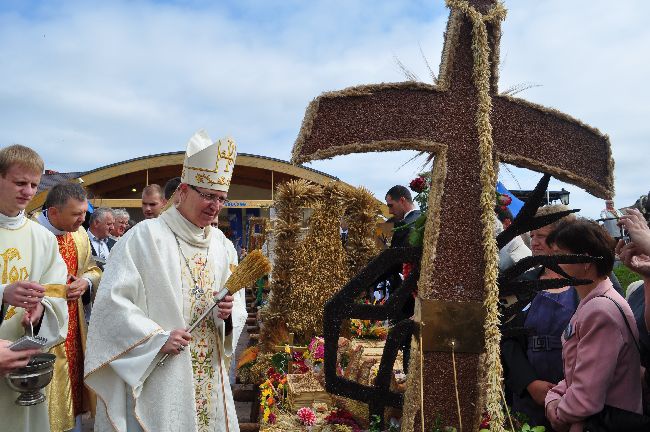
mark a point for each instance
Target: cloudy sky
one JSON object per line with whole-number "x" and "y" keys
{"x": 92, "y": 83}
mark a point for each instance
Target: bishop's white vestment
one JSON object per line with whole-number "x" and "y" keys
{"x": 29, "y": 252}
{"x": 161, "y": 276}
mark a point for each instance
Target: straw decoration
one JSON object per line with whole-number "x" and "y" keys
{"x": 251, "y": 268}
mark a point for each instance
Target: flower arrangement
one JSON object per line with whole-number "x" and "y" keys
{"x": 368, "y": 329}
{"x": 317, "y": 349}
{"x": 315, "y": 354}
{"x": 343, "y": 417}
{"x": 273, "y": 394}
{"x": 502, "y": 201}
{"x": 306, "y": 416}
{"x": 421, "y": 185}
{"x": 299, "y": 363}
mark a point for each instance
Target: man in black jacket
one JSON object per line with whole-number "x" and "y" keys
{"x": 400, "y": 205}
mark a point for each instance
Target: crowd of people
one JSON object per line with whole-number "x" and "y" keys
{"x": 587, "y": 348}
{"x": 110, "y": 298}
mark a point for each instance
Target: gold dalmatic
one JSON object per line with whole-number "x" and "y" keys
{"x": 65, "y": 393}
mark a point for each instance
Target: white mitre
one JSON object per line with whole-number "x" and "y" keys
{"x": 209, "y": 165}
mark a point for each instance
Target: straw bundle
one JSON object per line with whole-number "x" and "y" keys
{"x": 253, "y": 267}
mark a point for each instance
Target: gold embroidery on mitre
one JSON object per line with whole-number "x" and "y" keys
{"x": 204, "y": 178}
{"x": 228, "y": 155}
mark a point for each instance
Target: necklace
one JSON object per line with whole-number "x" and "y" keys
{"x": 197, "y": 291}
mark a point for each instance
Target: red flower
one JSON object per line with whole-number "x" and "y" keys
{"x": 505, "y": 200}
{"x": 418, "y": 184}
{"x": 306, "y": 416}
{"x": 272, "y": 418}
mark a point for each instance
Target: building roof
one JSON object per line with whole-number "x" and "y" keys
{"x": 48, "y": 180}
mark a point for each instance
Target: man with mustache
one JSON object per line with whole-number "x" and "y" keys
{"x": 63, "y": 213}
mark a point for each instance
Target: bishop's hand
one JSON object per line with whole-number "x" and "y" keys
{"x": 23, "y": 294}
{"x": 176, "y": 342}
{"x": 224, "y": 308}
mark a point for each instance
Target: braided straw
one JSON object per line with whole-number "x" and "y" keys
{"x": 481, "y": 74}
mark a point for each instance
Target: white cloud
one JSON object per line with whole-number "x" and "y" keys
{"x": 89, "y": 85}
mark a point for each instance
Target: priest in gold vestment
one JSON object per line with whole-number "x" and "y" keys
{"x": 33, "y": 278}
{"x": 63, "y": 213}
{"x": 159, "y": 278}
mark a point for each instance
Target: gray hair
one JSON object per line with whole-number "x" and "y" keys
{"x": 556, "y": 208}
{"x": 59, "y": 195}
{"x": 121, "y": 213}
{"x": 99, "y": 214}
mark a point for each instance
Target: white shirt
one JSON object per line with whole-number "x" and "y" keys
{"x": 100, "y": 246}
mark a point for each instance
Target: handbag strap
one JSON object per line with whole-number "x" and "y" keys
{"x": 627, "y": 324}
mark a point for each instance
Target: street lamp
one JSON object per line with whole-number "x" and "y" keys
{"x": 564, "y": 196}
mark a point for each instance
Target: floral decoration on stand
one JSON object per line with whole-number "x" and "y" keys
{"x": 306, "y": 416}
{"x": 315, "y": 354}
{"x": 368, "y": 329}
{"x": 343, "y": 417}
{"x": 273, "y": 395}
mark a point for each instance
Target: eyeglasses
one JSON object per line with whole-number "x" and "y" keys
{"x": 209, "y": 197}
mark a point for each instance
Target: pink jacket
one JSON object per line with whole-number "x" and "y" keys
{"x": 601, "y": 361}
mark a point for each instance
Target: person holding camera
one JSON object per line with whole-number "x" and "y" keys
{"x": 635, "y": 255}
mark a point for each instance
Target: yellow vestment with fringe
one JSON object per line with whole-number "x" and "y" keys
{"x": 59, "y": 393}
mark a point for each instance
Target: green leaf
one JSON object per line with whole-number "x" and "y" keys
{"x": 280, "y": 362}
{"x": 416, "y": 237}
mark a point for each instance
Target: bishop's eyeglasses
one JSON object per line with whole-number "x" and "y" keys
{"x": 209, "y": 197}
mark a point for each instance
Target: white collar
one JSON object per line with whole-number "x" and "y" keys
{"x": 95, "y": 239}
{"x": 186, "y": 230}
{"x": 13, "y": 222}
{"x": 408, "y": 213}
{"x": 43, "y": 220}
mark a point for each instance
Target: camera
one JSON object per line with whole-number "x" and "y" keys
{"x": 625, "y": 236}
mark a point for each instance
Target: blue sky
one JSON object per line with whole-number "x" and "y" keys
{"x": 89, "y": 84}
